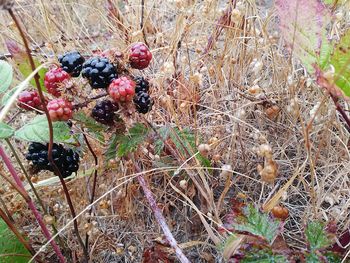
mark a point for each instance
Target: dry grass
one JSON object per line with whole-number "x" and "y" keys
{"x": 248, "y": 52}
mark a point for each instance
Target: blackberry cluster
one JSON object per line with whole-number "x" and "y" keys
{"x": 99, "y": 71}
{"x": 72, "y": 62}
{"x": 142, "y": 100}
{"x": 104, "y": 112}
{"x": 66, "y": 160}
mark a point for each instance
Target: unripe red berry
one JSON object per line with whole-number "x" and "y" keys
{"x": 122, "y": 89}
{"x": 139, "y": 56}
{"x": 29, "y": 100}
{"x": 54, "y": 80}
{"x": 60, "y": 110}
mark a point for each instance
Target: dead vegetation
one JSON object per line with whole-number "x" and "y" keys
{"x": 221, "y": 70}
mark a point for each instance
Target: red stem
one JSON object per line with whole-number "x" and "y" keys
{"x": 50, "y": 158}
{"x": 159, "y": 216}
{"x": 16, "y": 232}
{"x": 31, "y": 205}
{"x": 93, "y": 185}
{"x": 341, "y": 111}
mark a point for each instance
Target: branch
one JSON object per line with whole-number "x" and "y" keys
{"x": 31, "y": 205}
{"x": 159, "y": 216}
{"x": 93, "y": 185}
{"x": 55, "y": 168}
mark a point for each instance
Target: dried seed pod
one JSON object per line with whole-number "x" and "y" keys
{"x": 269, "y": 172}
{"x": 183, "y": 184}
{"x": 204, "y": 149}
{"x": 280, "y": 212}
{"x": 272, "y": 112}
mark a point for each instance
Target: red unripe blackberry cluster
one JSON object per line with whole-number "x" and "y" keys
{"x": 101, "y": 73}
{"x": 122, "y": 89}
{"x": 139, "y": 56}
{"x": 60, "y": 109}
{"x": 54, "y": 80}
{"x": 29, "y": 100}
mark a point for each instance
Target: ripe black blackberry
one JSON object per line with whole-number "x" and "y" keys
{"x": 72, "y": 62}
{"x": 142, "y": 84}
{"x": 66, "y": 160}
{"x": 99, "y": 71}
{"x": 104, "y": 112}
{"x": 143, "y": 102}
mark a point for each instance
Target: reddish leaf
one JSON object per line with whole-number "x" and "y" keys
{"x": 156, "y": 254}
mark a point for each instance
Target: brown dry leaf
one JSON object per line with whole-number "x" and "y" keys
{"x": 232, "y": 246}
{"x": 276, "y": 198}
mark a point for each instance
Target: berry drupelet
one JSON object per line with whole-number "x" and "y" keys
{"x": 72, "y": 62}
{"x": 60, "y": 110}
{"x": 29, "y": 100}
{"x": 122, "y": 89}
{"x": 143, "y": 102}
{"x": 99, "y": 71}
{"x": 139, "y": 56}
{"x": 66, "y": 160}
{"x": 142, "y": 84}
{"x": 104, "y": 112}
{"x": 54, "y": 80}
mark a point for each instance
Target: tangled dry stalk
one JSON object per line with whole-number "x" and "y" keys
{"x": 220, "y": 69}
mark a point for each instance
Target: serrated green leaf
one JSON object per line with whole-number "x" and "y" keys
{"x": 312, "y": 258}
{"x": 6, "y": 75}
{"x": 111, "y": 152}
{"x": 304, "y": 28}
{"x": 341, "y": 63}
{"x": 9, "y": 244}
{"x": 38, "y": 131}
{"x": 164, "y": 134}
{"x": 89, "y": 122}
{"x": 25, "y": 68}
{"x": 332, "y": 257}
{"x": 258, "y": 224}
{"x": 316, "y": 236}
{"x": 6, "y": 131}
{"x": 132, "y": 140}
{"x": 184, "y": 140}
{"x": 263, "y": 256}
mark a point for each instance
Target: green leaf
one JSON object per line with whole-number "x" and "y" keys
{"x": 312, "y": 258}
{"x": 38, "y": 131}
{"x": 9, "y": 244}
{"x": 25, "y": 68}
{"x": 129, "y": 143}
{"x": 6, "y": 131}
{"x": 7, "y": 96}
{"x": 258, "y": 224}
{"x": 184, "y": 140}
{"x": 341, "y": 63}
{"x": 304, "y": 28}
{"x": 317, "y": 236}
{"x": 263, "y": 256}
{"x": 335, "y": 2}
{"x": 111, "y": 152}
{"x": 332, "y": 257}
{"x": 6, "y": 74}
{"x": 89, "y": 122}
